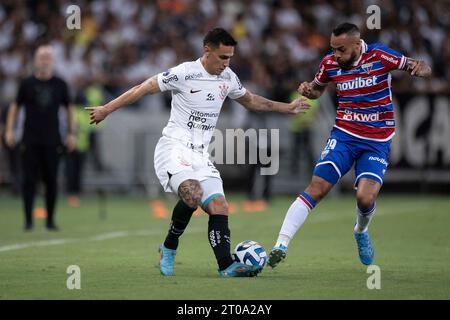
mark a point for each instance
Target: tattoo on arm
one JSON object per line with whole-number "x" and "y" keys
{"x": 317, "y": 90}
{"x": 151, "y": 85}
{"x": 246, "y": 99}
{"x": 266, "y": 103}
{"x": 317, "y": 87}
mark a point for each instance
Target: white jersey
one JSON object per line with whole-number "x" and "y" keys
{"x": 197, "y": 98}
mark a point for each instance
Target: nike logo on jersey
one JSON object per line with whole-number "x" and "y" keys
{"x": 195, "y": 91}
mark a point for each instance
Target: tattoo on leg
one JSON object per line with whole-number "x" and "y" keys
{"x": 191, "y": 192}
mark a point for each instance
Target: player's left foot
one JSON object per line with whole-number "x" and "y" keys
{"x": 365, "y": 249}
{"x": 237, "y": 269}
{"x": 167, "y": 260}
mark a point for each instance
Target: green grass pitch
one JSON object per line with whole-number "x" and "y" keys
{"x": 118, "y": 255}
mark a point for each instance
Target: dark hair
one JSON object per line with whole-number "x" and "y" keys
{"x": 219, "y": 36}
{"x": 345, "y": 28}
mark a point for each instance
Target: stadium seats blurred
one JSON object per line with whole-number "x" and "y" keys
{"x": 281, "y": 40}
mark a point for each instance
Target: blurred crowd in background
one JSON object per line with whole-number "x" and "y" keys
{"x": 281, "y": 42}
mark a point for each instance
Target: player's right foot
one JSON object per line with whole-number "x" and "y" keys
{"x": 277, "y": 255}
{"x": 167, "y": 260}
{"x": 365, "y": 249}
{"x": 237, "y": 269}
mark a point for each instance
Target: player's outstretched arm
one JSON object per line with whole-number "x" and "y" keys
{"x": 255, "y": 102}
{"x": 311, "y": 90}
{"x": 149, "y": 86}
{"x": 418, "y": 68}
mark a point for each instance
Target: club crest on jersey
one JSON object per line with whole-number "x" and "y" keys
{"x": 324, "y": 154}
{"x": 367, "y": 67}
{"x": 223, "y": 91}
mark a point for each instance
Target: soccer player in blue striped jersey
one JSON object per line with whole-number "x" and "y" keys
{"x": 362, "y": 134}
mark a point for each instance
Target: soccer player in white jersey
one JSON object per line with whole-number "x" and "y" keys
{"x": 181, "y": 160}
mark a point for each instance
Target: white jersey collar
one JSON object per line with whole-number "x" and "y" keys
{"x": 203, "y": 68}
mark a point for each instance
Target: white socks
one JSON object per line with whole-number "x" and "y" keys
{"x": 295, "y": 217}
{"x": 363, "y": 219}
{"x": 299, "y": 210}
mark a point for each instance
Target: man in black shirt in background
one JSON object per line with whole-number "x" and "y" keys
{"x": 41, "y": 94}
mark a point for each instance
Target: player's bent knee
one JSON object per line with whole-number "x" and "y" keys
{"x": 218, "y": 205}
{"x": 365, "y": 200}
{"x": 318, "y": 188}
{"x": 191, "y": 192}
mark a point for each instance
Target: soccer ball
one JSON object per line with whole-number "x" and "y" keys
{"x": 250, "y": 253}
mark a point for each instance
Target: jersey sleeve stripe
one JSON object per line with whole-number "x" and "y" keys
{"x": 402, "y": 63}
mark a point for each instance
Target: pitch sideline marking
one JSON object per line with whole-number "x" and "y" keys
{"x": 119, "y": 234}
{"x": 100, "y": 237}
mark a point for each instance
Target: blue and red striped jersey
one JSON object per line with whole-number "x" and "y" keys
{"x": 365, "y": 107}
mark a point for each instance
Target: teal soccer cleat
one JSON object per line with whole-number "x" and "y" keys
{"x": 277, "y": 255}
{"x": 237, "y": 269}
{"x": 365, "y": 250}
{"x": 167, "y": 260}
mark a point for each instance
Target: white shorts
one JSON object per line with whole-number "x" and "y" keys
{"x": 175, "y": 162}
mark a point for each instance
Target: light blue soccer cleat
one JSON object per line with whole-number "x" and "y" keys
{"x": 277, "y": 255}
{"x": 365, "y": 250}
{"x": 167, "y": 260}
{"x": 237, "y": 269}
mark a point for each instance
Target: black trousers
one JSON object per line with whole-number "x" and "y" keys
{"x": 39, "y": 161}
{"x": 15, "y": 168}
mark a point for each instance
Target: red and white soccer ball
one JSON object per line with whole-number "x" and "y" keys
{"x": 250, "y": 253}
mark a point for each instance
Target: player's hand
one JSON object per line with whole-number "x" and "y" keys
{"x": 305, "y": 89}
{"x": 97, "y": 114}
{"x": 71, "y": 142}
{"x": 9, "y": 138}
{"x": 299, "y": 105}
{"x": 418, "y": 68}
